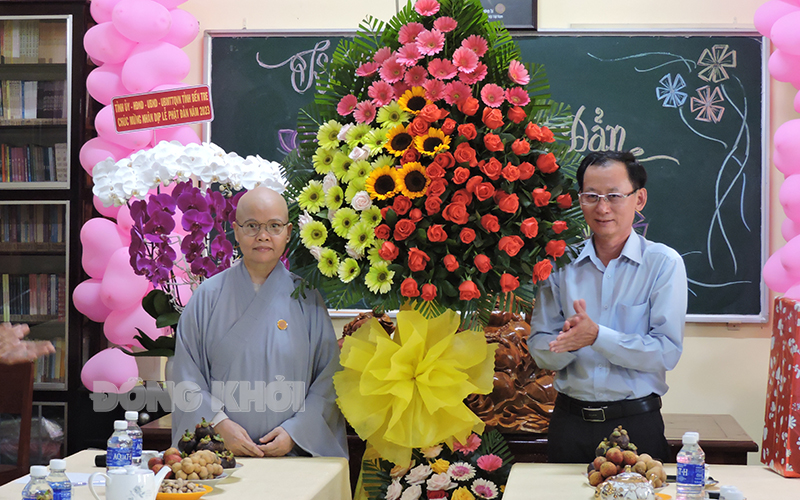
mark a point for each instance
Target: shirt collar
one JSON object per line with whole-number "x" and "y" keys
{"x": 632, "y": 250}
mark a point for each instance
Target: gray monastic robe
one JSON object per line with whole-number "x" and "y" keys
{"x": 231, "y": 333}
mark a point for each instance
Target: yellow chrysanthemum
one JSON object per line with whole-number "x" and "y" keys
{"x": 412, "y": 180}
{"x": 398, "y": 140}
{"x": 390, "y": 386}
{"x": 413, "y": 100}
{"x": 432, "y": 142}
{"x": 382, "y": 183}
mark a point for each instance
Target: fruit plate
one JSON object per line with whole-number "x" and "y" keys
{"x": 185, "y": 496}
{"x": 233, "y": 470}
{"x": 210, "y": 482}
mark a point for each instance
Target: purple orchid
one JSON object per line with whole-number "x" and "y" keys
{"x": 159, "y": 227}
{"x": 195, "y": 220}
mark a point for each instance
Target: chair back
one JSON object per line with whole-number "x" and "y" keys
{"x": 16, "y": 397}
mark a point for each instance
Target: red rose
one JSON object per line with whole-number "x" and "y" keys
{"x": 474, "y": 182}
{"x": 383, "y": 212}
{"x": 403, "y": 229}
{"x": 408, "y": 288}
{"x": 428, "y": 292}
{"x": 417, "y": 260}
{"x": 437, "y": 187}
{"x": 468, "y": 131}
{"x": 509, "y": 203}
{"x": 511, "y": 245}
{"x": 525, "y": 170}
{"x": 460, "y": 175}
{"x": 484, "y": 191}
{"x": 401, "y": 205}
{"x": 418, "y": 126}
{"x": 541, "y": 197}
{"x": 537, "y": 133}
{"x": 434, "y": 171}
{"x": 547, "y": 163}
{"x": 465, "y": 154}
{"x": 388, "y": 251}
{"x": 450, "y": 262}
{"x": 492, "y": 118}
{"x": 483, "y": 263}
{"x": 541, "y": 270}
{"x": 564, "y": 201}
{"x": 456, "y": 213}
{"x": 445, "y": 160}
{"x": 448, "y": 127}
{"x": 383, "y": 232}
{"x": 547, "y": 135}
{"x": 520, "y": 147}
{"x": 415, "y": 215}
{"x": 468, "y": 291}
{"x": 555, "y": 248}
{"x": 492, "y": 169}
{"x": 530, "y": 227}
{"x": 508, "y": 282}
{"x": 516, "y": 114}
{"x": 430, "y": 113}
{"x": 511, "y": 173}
{"x": 493, "y": 142}
{"x": 462, "y": 196}
{"x": 559, "y": 226}
{"x": 469, "y": 106}
{"x": 436, "y": 234}
{"x": 410, "y": 155}
{"x": 467, "y": 235}
{"x": 490, "y": 223}
{"x": 432, "y": 205}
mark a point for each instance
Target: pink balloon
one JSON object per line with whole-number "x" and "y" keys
{"x": 120, "y": 326}
{"x": 797, "y": 102}
{"x": 124, "y": 223}
{"x": 170, "y": 4}
{"x": 775, "y": 276}
{"x": 184, "y": 28}
{"x": 793, "y": 292}
{"x": 789, "y": 229}
{"x": 98, "y": 149}
{"x": 100, "y": 240}
{"x": 110, "y": 212}
{"x": 785, "y": 34}
{"x": 789, "y": 196}
{"x": 787, "y": 142}
{"x": 141, "y": 20}
{"x": 121, "y": 287}
{"x": 110, "y": 370}
{"x": 101, "y": 10}
{"x": 105, "y": 83}
{"x": 153, "y": 64}
{"x": 105, "y": 126}
{"x": 766, "y": 15}
{"x": 790, "y": 258}
{"x": 784, "y": 67}
{"x": 184, "y": 134}
{"x": 104, "y": 43}
{"x": 86, "y": 298}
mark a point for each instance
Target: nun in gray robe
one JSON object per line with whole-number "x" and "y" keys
{"x": 261, "y": 356}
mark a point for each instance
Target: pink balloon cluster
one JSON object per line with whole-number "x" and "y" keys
{"x": 137, "y": 46}
{"x": 780, "y": 21}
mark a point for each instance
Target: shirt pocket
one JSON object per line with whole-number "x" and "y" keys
{"x": 633, "y": 318}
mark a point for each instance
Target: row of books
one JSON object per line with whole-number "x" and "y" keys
{"x": 30, "y": 99}
{"x": 32, "y": 41}
{"x": 33, "y": 295}
{"x": 53, "y": 367}
{"x": 32, "y": 223}
{"x": 32, "y": 163}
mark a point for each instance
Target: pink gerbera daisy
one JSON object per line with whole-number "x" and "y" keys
{"x": 367, "y": 68}
{"x": 518, "y": 73}
{"x": 426, "y": 7}
{"x": 455, "y": 92}
{"x": 408, "y": 33}
{"x": 493, "y": 95}
{"x": 473, "y": 441}
{"x": 400, "y": 88}
{"x": 364, "y": 112}
{"x": 442, "y": 69}
{"x": 490, "y": 463}
{"x": 445, "y": 24}
{"x": 461, "y": 471}
{"x": 408, "y": 55}
{"x": 476, "y": 76}
{"x": 476, "y": 44}
{"x": 382, "y": 54}
{"x": 381, "y": 92}
{"x": 416, "y": 76}
{"x": 347, "y": 104}
{"x": 517, "y": 96}
{"x": 465, "y": 59}
{"x": 430, "y": 42}
{"x": 434, "y": 89}
{"x": 391, "y": 70}
{"x": 484, "y": 489}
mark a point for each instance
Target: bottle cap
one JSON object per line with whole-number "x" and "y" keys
{"x": 120, "y": 425}
{"x": 691, "y": 437}
{"x": 132, "y": 415}
{"x": 728, "y": 492}
{"x": 38, "y": 471}
{"x": 58, "y": 464}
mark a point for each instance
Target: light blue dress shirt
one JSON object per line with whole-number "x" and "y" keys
{"x": 639, "y": 303}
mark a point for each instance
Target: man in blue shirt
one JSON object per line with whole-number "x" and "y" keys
{"x": 611, "y": 322}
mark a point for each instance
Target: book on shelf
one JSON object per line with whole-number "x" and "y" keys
{"x": 34, "y": 163}
{"x": 34, "y": 295}
{"x": 31, "y": 41}
{"x": 6, "y": 299}
{"x": 31, "y": 99}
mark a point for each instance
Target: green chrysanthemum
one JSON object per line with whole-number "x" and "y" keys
{"x": 358, "y": 170}
{"x": 341, "y": 164}
{"x": 312, "y": 198}
{"x": 344, "y": 220}
{"x": 326, "y": 136}
{"x": 328, "y": 262}
{"x": 383, "y": 161}
{"x": 356, "y": 133}
{"x": 314, "y": 233}
{"x": 348, "y": 270}
{"x": 373, "y": 254}
{"x": 322, "y": 160}
{"x": 361, "y": 236}
{"x": 334, "y": 197}
{"x": 375, "y": 140}
{"x": 379, "y": 279}
{"x": 392, "y": 115}
{"x": 372, "y": 216}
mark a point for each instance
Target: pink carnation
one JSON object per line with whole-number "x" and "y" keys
{"x": 442, "y": 69}
{"x": 465, "y": 59}
{"x": 430, "y": 42}
{"x": 416, "y": 76}
{"x": 364, "y": 112}
{"x": 517, "y": 96}
{"x": 391, "y": 70}
{"x": 518, "y": 73}
{"x": 476, "y": 76}
{"x": 434, "y": 89}
{"x": 426, "y": 7}
{"x": 408, "y": 33}
{"x": 381, "y": 93}
{"x": 367, "y": 68}
{"x": 476, "y": 44}
{"x": 400, "y": 88}
{"x": 408, "y": 54}
{"x": 490, "y": 463}
{"x": 347, "y": 105}
{"x": 382, "y": 54}
{"x": 445, "y": 24}
{"x": 473, "y": 441}
{"x": 493, "y": 95}
{"x": 455, "y": 92}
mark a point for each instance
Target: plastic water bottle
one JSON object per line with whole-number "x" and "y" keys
{"x": 691, "y": 480}
{"x": 62, "y": 487}
{"x": 38, "y": 488}
{"x": 136, "y": 437}
{"x": 118, "y": 451}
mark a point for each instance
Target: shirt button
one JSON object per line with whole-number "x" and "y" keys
{"x": 605, "y": 307}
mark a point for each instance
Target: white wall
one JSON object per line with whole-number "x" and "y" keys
{"x": 723, "y": 370}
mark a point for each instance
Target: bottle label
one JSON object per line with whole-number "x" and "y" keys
{"x": 694, "y": 474}
{"x": 62, "y": 491}
{"x": 136, "y": 451}
{"x": 118, "y": 457}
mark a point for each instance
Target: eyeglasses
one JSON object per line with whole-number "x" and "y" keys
{"x": 253, "y": 228}
{"x": 591, "y": 199}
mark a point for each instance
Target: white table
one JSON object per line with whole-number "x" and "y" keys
{"x": 262, "y": 478}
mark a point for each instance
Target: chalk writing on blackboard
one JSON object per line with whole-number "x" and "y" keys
{"x": 305, "y": 66}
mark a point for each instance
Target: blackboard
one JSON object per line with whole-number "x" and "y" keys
{"x": 692, "y": 107}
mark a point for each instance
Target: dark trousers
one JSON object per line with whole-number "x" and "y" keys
{"x": 571, "y": 439}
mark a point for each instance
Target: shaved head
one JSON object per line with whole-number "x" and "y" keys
{"x": 258, "y": 199}
{"x": 262, "y": 251}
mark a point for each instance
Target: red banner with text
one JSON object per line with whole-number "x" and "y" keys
{"x": 165, "y": 108}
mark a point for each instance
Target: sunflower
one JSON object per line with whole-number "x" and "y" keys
{"x": 313, "y": 233}
{"x": 382, "y": 183}
{"x": 334, "y": 197}
{"x": 372, "y": 216}
{"x": 312, "y": 197}
{"x": 327, "y": 134}
{"x": 358, "y": 169}
{"x": 361, "y": 236}
{"x": 328, "y": 262}
{"x": 344, "y": 220}
{"x": 379, "y": 279}
{"x": 348, "y": 270}
{"x": 341, "y": 164}
{"x": 356, "y": 133}
{"x": 322, "y": 159}
{"x": 432, "y": 142}
{"x": 413, "y": 100}
{"x": 412, "y": 180}
{"x": 398, "y": 140}
{"x": 391, "y": 115}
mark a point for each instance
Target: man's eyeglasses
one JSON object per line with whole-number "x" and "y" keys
{"x": 253, "y": 228}
{"x": 591, "y": 199}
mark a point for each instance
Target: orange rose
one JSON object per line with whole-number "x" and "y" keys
{"x": 490, "y": 223}
{"x": 430, "y": 113}
{"x": 521, "y": 147}
{"x": 437, "y": 187}
{"x": 418, "y": 126}
{"x": 469, "y": 106}
{"x": 468, "y": 291}
{"x": 383, "y": 232}
{"x": 483, "y": 263}
{"x": 508, "y": 282}
{"x": 450, "y": 262}
{"x": 465, "y": 154}
{"x": 492, "y": 168}
{"x": 555, "y": 248}
{"x": 516, "y": 114}
{"x": 511, "y": 245}
{"x": 415, "y": 215}
{"x": 493, "y": 142}
{"x": 510, "y": 173}
{"x": 473, "y": 183}
{"x": 403, "y": 229}
{"x": 467, "y": 235}
{"x": 409, "y": 156}
{"x": 417, "y": 260}
{"x": 408, "y": 288}
{"x": 460, "y": 175}
{"x": 530, "y": 227}
{"x": 428, "y": 292}
{"x": 468, "y": 131}
{"x": 537, "y": 133}
{"x": 492, "y": 118}
{"x": 542, "y": 270}
{"x": 401, "y": 205}
{"x": 559, "y": 226}
{"x": 484, "y": 191}
{"x": 456, "y": 213}
{"x": 432, "y": 205}
{"x": 547, "y": 163}
{"x": 547, "y": 135}
{"x": 509, "y": 203}
{"x": 541, "y": 197}
{"x": 564, "y": 201}
{"x": 448, "y": 127}
{"x": 388, "y": 251}
{"x": 525, "y": 170}
{"x": 461, "y": 196}
{"x": 445, "y": 160}
{"x": 434, "y": 171}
